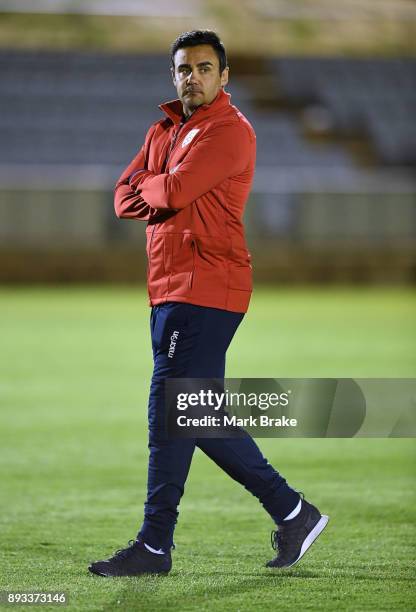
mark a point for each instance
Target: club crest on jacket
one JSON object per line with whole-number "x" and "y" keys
{"x": 189, "y": 137}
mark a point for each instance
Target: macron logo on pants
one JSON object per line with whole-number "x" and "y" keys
{"x": 173, "y": 339}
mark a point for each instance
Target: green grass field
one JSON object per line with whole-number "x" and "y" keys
{"x": 74, "y": 380}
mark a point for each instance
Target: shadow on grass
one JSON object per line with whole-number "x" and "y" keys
{"x": 173, "y": 591}
{"x": 160, "y": 592}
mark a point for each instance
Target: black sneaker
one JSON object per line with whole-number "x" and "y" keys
{"x": 293, "y": 538}
{"x": 133, "y": 561}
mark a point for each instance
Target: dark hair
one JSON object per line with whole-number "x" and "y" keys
{"x": 200, "y": 37}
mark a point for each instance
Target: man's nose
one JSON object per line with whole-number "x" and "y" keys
{"x": 192, "y": 77}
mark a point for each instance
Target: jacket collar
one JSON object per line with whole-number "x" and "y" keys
{"x": 174, "y": 110}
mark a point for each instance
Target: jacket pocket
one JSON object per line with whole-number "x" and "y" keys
{"x": 191, "y": 275}
{"x": 183, "y": 265}
{"x": 149, "y": 242}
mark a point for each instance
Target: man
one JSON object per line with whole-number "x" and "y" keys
{"x": 190, "y": 182}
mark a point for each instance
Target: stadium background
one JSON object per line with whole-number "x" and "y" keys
{"x": 330, "y": 90}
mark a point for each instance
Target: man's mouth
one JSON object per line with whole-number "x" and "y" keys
{"x": 192, "y": 92}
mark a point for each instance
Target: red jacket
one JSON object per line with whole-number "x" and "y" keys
{"x": 190, "y": 181}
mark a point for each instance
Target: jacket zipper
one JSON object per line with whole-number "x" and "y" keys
{"x": 165, "y": 163}
{"x": 175, "y": 138}
{"x": 172, "y": 145}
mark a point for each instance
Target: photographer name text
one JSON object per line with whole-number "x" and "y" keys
{"x": 234, "y": 421}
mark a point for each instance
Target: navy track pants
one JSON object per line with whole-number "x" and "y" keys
{"x": 203, "y": 336}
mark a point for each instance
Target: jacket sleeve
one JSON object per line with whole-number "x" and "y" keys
{"x": 223, "y": 152}
{"x": 127, "y": 203}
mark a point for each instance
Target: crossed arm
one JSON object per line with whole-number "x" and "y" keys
{"x": 219, "y": 154}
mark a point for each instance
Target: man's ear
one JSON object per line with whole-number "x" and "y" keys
{"x": 172, "y": 73}
{"x": 224, "y": 76}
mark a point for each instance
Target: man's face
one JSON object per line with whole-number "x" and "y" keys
{"x": 197, "y": 76}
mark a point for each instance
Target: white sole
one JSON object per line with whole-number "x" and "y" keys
{"x": 311, "y": 537}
